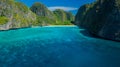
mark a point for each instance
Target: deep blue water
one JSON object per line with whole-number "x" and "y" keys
{"x": 65, "y": 46}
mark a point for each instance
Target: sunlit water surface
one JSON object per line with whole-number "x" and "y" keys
{"x": 63, "y": 46}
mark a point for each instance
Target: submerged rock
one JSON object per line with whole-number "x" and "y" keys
{"x": 101, "y": 18}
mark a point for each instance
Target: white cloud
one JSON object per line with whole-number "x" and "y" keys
{"x": 62, "y": 7}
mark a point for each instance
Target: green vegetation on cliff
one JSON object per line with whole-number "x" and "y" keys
{"x": 3, "y": 20}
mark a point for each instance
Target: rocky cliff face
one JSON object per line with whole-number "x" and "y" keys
{"x": 15, "y": 15}
{"x": 101, "y": 18}
{"x": 44, "y": 16}
{"x": 41, "y": 10}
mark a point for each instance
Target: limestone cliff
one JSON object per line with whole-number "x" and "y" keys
{"x": 101, "y": 18}
{"x": 15, "y": 15}
{"x": 44, "y": 16}
{"x": 41, "y": 10}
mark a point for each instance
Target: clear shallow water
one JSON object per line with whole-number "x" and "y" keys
{"x": 56, "y": 47}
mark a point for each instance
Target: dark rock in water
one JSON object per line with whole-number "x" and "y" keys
{"x": 101, "y": 18}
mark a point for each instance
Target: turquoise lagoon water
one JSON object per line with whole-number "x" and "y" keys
{"x": 63, "y": 46}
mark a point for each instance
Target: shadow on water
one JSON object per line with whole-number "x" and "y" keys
{"x": 88, "y": 34}
{"x": 14, "y": 29}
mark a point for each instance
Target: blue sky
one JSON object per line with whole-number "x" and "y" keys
{"x": 67, "y": 5}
